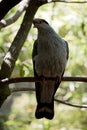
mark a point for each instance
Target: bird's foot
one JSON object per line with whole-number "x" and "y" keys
{"x": 58, "y": 79}
{"x": 43, "y": 78}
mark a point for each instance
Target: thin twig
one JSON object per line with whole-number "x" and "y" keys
{"x": 68, "y": 1}
{"x": 57, "y": 100}
{"x": 69, "y": 104}
{"x": 5, "y": 23}
{"x": 21, "y": 89}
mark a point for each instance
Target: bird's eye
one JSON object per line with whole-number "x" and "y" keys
{"x": 40, "y": 22}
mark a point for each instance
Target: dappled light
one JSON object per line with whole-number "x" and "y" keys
{"x": 18, "y": 111}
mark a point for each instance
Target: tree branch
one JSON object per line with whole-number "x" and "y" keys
{"x": 6, "y": 5}
{"x": 69, "y": 104}
{"x": 13, "y": 52}
{"x": 57, "y": 100}
{"x": 68, "y": 1}
{"x": 23, "y": 6}
{"x": 39, "y": 79}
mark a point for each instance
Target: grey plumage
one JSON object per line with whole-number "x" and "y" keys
{"x": 50, "y": 55}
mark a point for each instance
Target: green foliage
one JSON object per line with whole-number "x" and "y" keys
{"x": 69, "y": 20}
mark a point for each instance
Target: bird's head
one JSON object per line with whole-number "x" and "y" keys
{"x": 40, "y": 23}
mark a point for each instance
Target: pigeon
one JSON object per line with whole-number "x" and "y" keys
{"x": 50, "y": 55}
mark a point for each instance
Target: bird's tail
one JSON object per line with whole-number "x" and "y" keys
{"x": 45, "y": 110}
{"x": 45, "y": 99}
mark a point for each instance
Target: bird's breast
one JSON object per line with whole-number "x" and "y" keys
{"x": 51, "y": 58}
{"x": 47, "y": 65}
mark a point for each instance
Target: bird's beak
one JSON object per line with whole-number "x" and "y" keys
{"x": 35, "y": 23}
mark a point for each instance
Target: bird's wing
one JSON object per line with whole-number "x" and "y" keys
{"x": 67, "y": 56}
{"x": 37, "y": 84}
{"x": 67, "y": 49}
{"x": 34, "y": 53}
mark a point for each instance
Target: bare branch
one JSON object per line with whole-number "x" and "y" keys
{"x": 21, "y": 89}
{"x": 39, "y": 79}
{"x": 68, "y": 1}
{"x": 69, "y": 104}
{"x": 6, "y": 5}
{"x": 4, "y": 23}
{"x": 57, "y": 100}
{"x": 23, "y": 6}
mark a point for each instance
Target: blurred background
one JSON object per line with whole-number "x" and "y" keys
{"x": 17, "y": 112}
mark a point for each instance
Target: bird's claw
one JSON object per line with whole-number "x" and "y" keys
{"x": 58, "y": 79}
{"x": 42, "y": 78}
